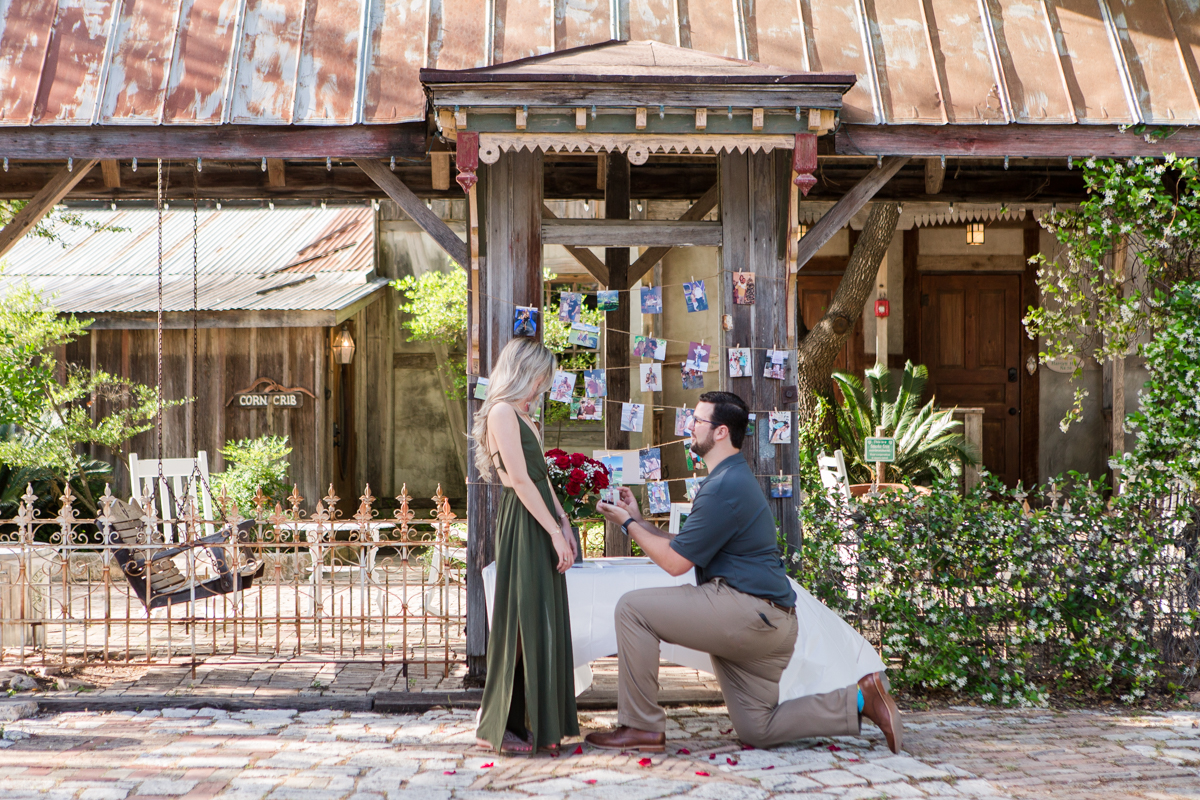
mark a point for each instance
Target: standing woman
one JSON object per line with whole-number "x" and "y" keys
{"x": 529, "y": 697}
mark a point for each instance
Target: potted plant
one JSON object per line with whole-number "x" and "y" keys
{"x": 577, "y": 480}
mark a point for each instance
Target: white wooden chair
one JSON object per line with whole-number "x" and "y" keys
{"x": 834, "y": 477}
{"x": 179, "y": 475}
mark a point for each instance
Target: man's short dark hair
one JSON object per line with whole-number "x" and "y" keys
{"x": 732, "y": 412}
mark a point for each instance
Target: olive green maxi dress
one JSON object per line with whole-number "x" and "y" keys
{"x": 530, "y": 687}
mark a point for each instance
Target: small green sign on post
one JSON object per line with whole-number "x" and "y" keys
{"x": 880, "y": 448}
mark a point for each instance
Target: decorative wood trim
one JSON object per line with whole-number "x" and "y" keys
{"x": 844, "y": 209}
{"x": 412, "y": 205}
{"x": 928, "y": 262}
{"x": 631, "y": 233}
{"x": 638, "y": 147}
{"x": 42, "y": 203}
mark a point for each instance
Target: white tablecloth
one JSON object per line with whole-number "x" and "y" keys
{"x": 829, "y": 653}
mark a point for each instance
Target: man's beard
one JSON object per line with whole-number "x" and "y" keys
{"x": 701, "y": 448}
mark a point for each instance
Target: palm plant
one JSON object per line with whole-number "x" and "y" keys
{"x": 928, "y": 445}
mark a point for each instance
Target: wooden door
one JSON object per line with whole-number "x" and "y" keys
{"x": 813, "y": 295}
{"x": 971, "y": 343}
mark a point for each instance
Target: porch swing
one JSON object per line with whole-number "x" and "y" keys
{"x": 142, "y": 551}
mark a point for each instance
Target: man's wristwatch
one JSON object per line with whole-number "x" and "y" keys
{"x": 625, "y": 525}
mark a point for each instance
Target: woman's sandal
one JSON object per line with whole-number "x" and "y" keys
{"x": 510, "y": 744}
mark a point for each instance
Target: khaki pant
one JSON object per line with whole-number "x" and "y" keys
{"x": 750, "y": 641}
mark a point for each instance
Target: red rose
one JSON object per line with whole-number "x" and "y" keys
{"x": 555, "y": 453}
{"x": 578, "y": 476}
{"x": 563, "y": 461}
{"x": 578, "y": 459}
{"x": 601, "y": 480}
{"x": 573, "y": 488}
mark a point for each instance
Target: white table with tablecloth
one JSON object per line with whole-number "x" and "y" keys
{"x": 829, "y": 653}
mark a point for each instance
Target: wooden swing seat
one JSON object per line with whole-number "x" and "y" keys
{"x": 156, "y": 578}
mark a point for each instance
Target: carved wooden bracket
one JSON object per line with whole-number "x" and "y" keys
{"x": 804, "y": 162}
{"x": 466, "y": 158}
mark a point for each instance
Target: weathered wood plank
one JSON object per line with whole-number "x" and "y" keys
{"x": 412, "y": 205}
{"x": 1015, "y": 140}
{"x": 851, "y": 202}
{"x": 42, "y": 203}
{"x": 189, "y": 142}
{"x": 616, "y": 338}
{"x": 111, "y": 172}
{"x": 276, "y": 176}
{"x": 698, "y": 211}
{"x": 585, "y": 257}
{"x": 631, "y": 233}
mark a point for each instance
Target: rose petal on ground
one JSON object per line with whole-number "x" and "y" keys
{"x": 728, "y": 731}
{"x": 702, "y": 773}
{"x": 645, "y": 762}
{"x": 833, "y": 748}
{"x": 731, "y": 761}
{"x": 770, "y": 767}
{"x": 578, "y": 750}
{"x": 683, "y": 751}
{"x": 450, "y": 772}
{"x": 590, "y": 781}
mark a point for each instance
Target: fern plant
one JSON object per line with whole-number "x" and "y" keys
{"x": 928, "y": 445}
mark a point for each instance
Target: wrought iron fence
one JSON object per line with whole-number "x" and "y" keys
{"x": 128, "y": 586}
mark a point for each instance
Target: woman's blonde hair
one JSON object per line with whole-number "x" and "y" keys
{"x": 525, "y": 368}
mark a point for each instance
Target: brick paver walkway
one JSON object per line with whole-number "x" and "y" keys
{"x": 287, "y": 755}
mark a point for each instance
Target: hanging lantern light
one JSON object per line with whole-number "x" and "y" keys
{"x": 343, "y": 346}
{"x": 975, "y": 233}
{"x": 801, "y": 230}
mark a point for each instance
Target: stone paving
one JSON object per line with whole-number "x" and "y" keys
{"x": 288, "y": 755}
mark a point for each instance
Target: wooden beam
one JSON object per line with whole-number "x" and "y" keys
{"x": 224, "y": 142}
{"x": 412, "y": 205}
{"x": 1031, "y": 397}
{"x": 111, "y": 170}
{"x": 935, "y": 175}
{"x": 42, "y": 203}
{"x": 441, "y": 169}
{"x": 631, "y": 233}
{"x": 275, "y": 176}
{"x": 698, "y": 211}
{"x": 587, "y": 259}
{"x": 852, "y": 201}
{"x": 617, "y": 323}
{"x": 997, "y": 141}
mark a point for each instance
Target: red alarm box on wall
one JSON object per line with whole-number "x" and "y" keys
{"x": 882, "y": 309}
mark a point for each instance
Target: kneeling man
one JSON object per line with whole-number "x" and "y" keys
{"x": 742, "y": 610}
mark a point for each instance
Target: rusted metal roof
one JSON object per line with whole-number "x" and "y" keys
{"x": 281, "y": 259}
{"x": 340, "y": 62}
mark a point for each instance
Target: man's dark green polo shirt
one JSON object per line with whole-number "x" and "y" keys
{"x": 730, "y": 534}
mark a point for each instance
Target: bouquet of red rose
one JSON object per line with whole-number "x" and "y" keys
{"x": 577, "y": 480}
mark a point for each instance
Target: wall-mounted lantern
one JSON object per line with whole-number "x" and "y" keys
{"x": 343, "y": 346}
{"x": 975, "y": 233}
{"x": 801, "y": 231}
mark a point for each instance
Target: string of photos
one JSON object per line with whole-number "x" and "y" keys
{"x": 587, "y": 398}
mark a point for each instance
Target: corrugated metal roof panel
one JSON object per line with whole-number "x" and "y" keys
{"x": 230, "y": 242}
{"x": 343, "y": 61}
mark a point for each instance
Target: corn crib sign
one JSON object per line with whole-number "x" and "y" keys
{"x": 129, "y": 586}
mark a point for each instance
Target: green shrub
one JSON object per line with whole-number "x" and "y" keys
{"x": 254, "y": 464}
{"x": 977, "y": 596}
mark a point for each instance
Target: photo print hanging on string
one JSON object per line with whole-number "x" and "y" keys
{"x": 683, "y": 421}
{"x": 632, "y": 415}
{"x": 615, "y": 464}
{"x": 608, "y": 300}
{"x": 743, "y": 288}
{"x": 658, "y": 498}
{"x": 781, "y": 486}
{"x": 695, "y": 296}
{"x": 525, "y": 321}
{"x": 650, "y": 464}
{"x": 692, "y": 485}
{"x": 651, "y": 377}
{"x": 584, "y": 335}
{"x": 570, "y": 307}
{"x": 481, "y": 385}
{"x": 591, "y": 408}
{"x": 575, "y": 403}
{"x": 652, "y": 300}
{"x": 776, "y": 365}
{"x": 781, "y": 427}
{"x": 692, "y": 378}
{"x": 562, "y": 387}
{"x": 595, "y": 383}
{"x": 698, "y": 356}
{"x": 739, "y": 362}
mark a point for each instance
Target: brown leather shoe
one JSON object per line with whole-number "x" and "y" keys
{"x": 880, "y": 708}
{"x": 626, "y": 738}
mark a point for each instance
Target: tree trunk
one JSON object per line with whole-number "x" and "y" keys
{"x": 821, "y": 345}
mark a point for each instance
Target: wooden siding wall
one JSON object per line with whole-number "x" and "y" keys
{"x": 229, "y": 359}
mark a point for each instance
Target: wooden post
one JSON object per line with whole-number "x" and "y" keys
{"x": 509, "y": 275}
{"x": 1118, "y": 373}
{"x": 881, "y": 323}
{"x": 880, "y": 466}
{"x": 755, "y": 189}
{"x": 616, "y": 339}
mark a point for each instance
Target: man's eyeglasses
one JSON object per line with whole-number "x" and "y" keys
{"x": 696, "y": 420}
